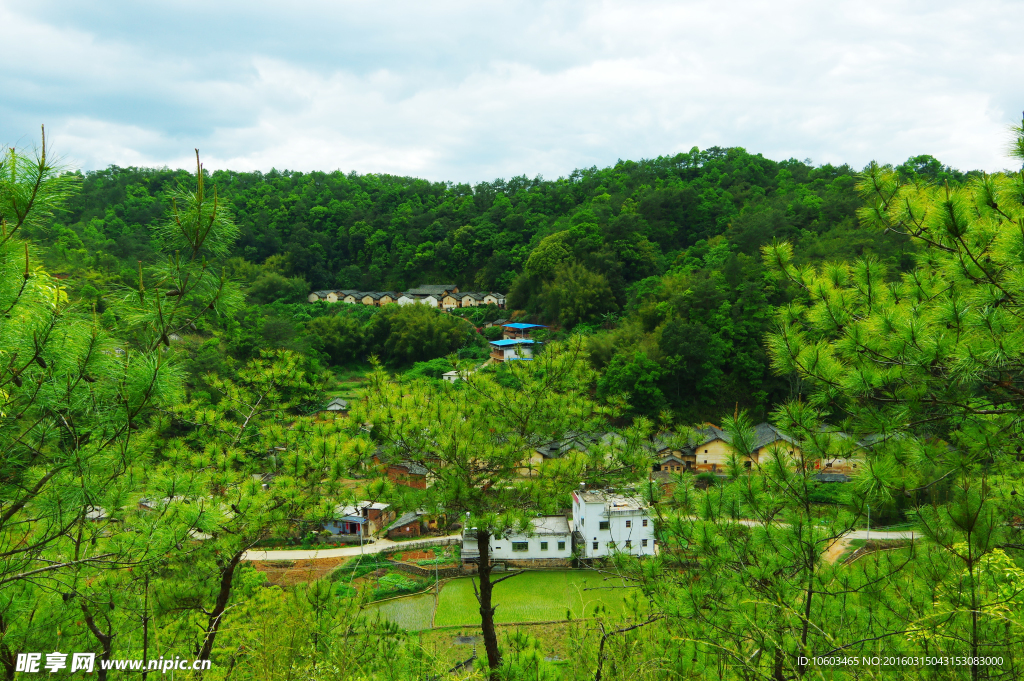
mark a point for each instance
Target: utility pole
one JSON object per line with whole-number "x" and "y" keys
{"x": 869, "y": 525}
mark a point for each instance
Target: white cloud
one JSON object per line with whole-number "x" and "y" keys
{"x": 469, "y": 92}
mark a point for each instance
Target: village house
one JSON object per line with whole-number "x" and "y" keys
{"x": 671, "y": 454}
{"x": 316, "y": 296}
{"x": 411, "y": 524}
{"x": 519, "y": 330}
{"x": 450, "y": 301}
{"x": 511, "y": 349}
{"x": 549, "y": 544}
{"x": 495, "y": 299}
{"x": 352, "y": 297}
{"x": 336, "y": 407}
{"x": 471, "y": 299}
{"x": 606, "y": 522}
{"x": 377, "y": 298}
{"x": 329, "y": 296}
{"x": 408, "y": 473}
{"x": 364, "y": 519}
{"x": 714, "y": 449}
{"x": 437, "y": 290}
{"x": 496, "y": 322}
{"x": 556, "y": 449}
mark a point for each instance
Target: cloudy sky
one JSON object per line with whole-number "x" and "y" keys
{"x": 470, "y": 91}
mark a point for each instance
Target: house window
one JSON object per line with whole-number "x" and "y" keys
{"x": 854, "y": 465}
{"x": 543, "y": 546}
{"x": 629, "y": 543}
{"x": 705, "y": 460}
{"x": 561, "y": 546}
{"x": 746, "y": 464}
{"x": 645, "y": 522}
{"x": 629, "y": 523}
{"x": 595, "y": 546}
{"x": 520, "y": 546}
{"x": 603, "y": 525}
{"x": 611, "y": 545}
{"x": 643, "y": 542}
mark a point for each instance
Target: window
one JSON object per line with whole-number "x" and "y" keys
{"x": 705, "y": 460}
{"x": 629, "y": 543}
{"x": 543, "y": 546}
{"x": 520, "y": 546}
{"x": 595, "y": 546}
{"x": 629, "y": 523}
{"x": 603, "y": 525}
{"x": 611, "y": 545}
{"x": 561, "y": 546}
{"x": 643, "y": 542}
{"x": 583, "y": 521}
{"x": 645, "y": 522}
{"x": 746, "y": 464}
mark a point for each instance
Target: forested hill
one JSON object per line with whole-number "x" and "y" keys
{"x": 662, "y": 254}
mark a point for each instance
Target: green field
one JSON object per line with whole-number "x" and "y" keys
{"x": 411, "y": 613}
{"x": 543, "y": 596}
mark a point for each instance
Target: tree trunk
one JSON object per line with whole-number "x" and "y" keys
{"x": 213, "y": 619}
{"x": 106, "y": 640}
{"x": 483, "y": 538}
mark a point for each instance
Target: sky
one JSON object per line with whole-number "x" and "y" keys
{"x": 473, "y": 91}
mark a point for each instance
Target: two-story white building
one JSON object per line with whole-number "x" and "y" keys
{"x": 606, "y": 522}
{"x": 512, "y": 348}
{"x": 549, "y": 544}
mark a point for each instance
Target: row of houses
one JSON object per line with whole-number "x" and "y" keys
{"x": 711, "y": 451}
{"x": 602, "y": 523}
{"x": 443, "y": 296}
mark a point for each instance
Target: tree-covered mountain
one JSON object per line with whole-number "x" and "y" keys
{"x": 659, "y": 257}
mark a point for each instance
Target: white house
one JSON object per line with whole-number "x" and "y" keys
{"x": 549, "y": 544}
{"x": 512, "y": 348}
{"x": 452, "y": 376}
{"x": 605, "y": 523}
{"x": 495, "y": 299}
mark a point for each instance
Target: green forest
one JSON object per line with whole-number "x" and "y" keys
{"x": 163, "y": 421}
{"x": 658, "y": 260}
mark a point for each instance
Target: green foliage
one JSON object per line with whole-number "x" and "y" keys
{"x": 399, "y": 335}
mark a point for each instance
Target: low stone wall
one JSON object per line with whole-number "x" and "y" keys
{"x": 538, "y": 563}
{"x": 421, "y": 544}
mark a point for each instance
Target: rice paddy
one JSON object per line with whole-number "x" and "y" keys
{"x": 542, "y": 596}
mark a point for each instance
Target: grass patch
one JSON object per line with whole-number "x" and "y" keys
{"x": 412, "y": 613}
{"x": 540, "y": 596}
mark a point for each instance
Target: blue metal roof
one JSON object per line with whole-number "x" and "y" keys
{"x": 520, "y": 325}
{"x": 512, "y": 341}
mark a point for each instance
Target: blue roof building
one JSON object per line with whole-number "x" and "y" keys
{"x": 509, "y": 349}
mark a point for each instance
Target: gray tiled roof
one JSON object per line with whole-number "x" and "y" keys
{"x": 337, "y": 404}
{"x": 431, "y": 289}
{"x": 404, "y": 520}
{"x": 764, "y": 434}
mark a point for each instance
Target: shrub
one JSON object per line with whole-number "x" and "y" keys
{"x": 705, "y": 480}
